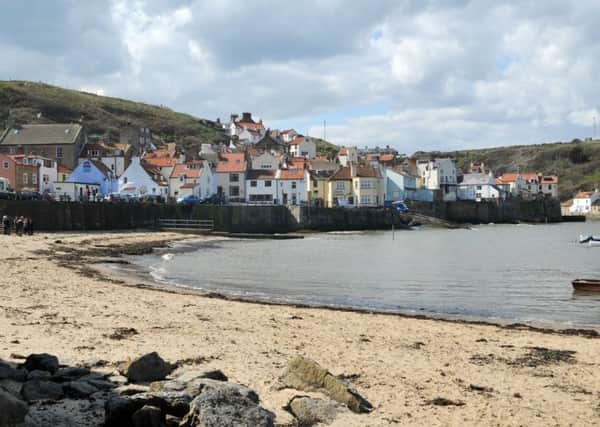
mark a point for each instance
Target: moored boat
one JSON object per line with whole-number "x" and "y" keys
{"x": 586, "y": 285}
{"x": 590, "y": 240}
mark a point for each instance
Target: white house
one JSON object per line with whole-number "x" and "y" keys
{"x": 261, "y": 186}
{"x": 438, "y": 174}
{"x": 292, "y": 184}
{"x": 142, "y": 179}
{"x": 115, "y": 157}
{"x": 288, "y": 135}
{"x": 48, "y": 173}
{"x": 348, "y": 155}
{"x": 192, "y": 178}
{"x": 478, "y": 186}
{"x": 583, "y": 201}
{"x": 302, "y": 146}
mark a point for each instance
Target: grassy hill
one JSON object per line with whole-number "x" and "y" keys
{"x": 101, "y": 114}
{"x": 106, "y": 115}
{"x": 576, "y": 163}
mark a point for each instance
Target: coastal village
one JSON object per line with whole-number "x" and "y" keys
{"x": 259, "y": 165}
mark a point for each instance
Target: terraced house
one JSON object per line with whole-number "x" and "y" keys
{"x": 63, "y": 142}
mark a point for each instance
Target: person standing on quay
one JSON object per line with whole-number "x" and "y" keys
{"x": 19, "y": 226}
{"x": 6, "y": 224}
{"x": 30, "y": 227}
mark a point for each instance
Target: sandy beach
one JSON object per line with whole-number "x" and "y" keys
{"x": 51, "y": 300}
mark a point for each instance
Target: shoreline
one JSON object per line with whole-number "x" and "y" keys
{"x": 148, "y": 282}
{"x": 53, "y": 300}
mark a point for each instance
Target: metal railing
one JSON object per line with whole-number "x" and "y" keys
{"x": 195, "y": 224}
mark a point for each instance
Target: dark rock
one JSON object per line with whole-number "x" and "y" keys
{"x": 42, "y": 362}
{"x": 12, "y": 410}
{"x": 11, "y": 373}
{"x": 215, "y": 374}
{"x": 39, "y": 375}
{"x": 70, "y": 374}
{"x": 79, "y": 389}
{"x": 307, "y": 375}
{"x": 484, "y": 389}
{"x": 147, "y": 368}
{"x": 518, "y": 395}
{"x": 11, "y": 386}
{"x": 193, "y": 386}
{"x": 442, "y": 401}
{"x": 118, "y": 411}
{"x": 148, "y": 416}
{"x": 100, "y": 384}
{"x": 41, "y": 390}
{"x": 225, "y": 406}
{"x": 309, "y": 411}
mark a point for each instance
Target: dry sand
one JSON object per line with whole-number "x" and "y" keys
{"x": 399, "y": 364}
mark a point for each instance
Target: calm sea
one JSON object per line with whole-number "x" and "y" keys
{"x": 504, "y": 273}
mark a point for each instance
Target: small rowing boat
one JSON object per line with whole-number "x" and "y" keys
{"x": 590, "y": 240}
{"x": 586, "y": 285}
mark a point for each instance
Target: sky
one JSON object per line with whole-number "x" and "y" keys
{"x": 415, "y": 75}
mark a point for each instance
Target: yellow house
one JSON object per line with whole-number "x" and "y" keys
{"x": 355, "y": 186}
{"x": 317, "y": 182}
{"x": 368, "y": 187}
{"x": 339, "y": 188}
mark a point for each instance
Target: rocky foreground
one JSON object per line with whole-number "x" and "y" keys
{"x": 150, "y": 392}
{"x": 238, "y": 358}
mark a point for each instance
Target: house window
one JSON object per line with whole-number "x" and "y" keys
{"x": 479, "y": 187}
{"x": 5, "y": 164}
{"x": 265, "y": 166}
{"x": 234, "y": 177}
{"x": 365, "y": 200}
{"x": 34, "y": 178}
{"x": 549, "y": 186}
{"x": 46, "y": 179}
{"x": 339, "y": 185}
{"x": 315, "y": 184}
{"x": 267, "y": 183}
{"x": 124, "y": 180}
{"x": 356, "y": 185}
{"x": 293, "y": 185}
{"x": 252, "y": 183}
{"x": 59, "y": 152}
{"x": 25, "y": 179}
{"x": 234, "y": 191}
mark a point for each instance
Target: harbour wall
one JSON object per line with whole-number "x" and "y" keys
{"x": 500, "y": 211}
{"x": 59, "y": 216}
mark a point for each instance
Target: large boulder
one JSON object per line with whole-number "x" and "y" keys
{"x": 8, "y": 372}
{"x": 119, "y": 410}
{"x": 42, "y": 362}
{"x": 79, "y": 389}
{"x": 309, "y": 411}
{"x": 12, "y": 410}
{"x": 147, "y": 368}
{"x": 72, "y": 374}
{"x": 148, "y": 416}
{"x": 42, "y": 390}
{"x": 307, "y": 375}
{"x": 226, "y": 406}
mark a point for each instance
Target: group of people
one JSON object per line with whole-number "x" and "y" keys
{"x": 22, "y": 225}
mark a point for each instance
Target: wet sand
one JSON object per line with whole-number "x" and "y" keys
{"x": 52, "y": 299}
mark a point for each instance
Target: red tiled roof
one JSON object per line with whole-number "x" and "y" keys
{"x": 584, "y": 195}
{"x": 64, "y": 169}
{"x": 297, "y": 140}
{"x": 250, "y": 126}
{"x": 386, "y": 157}
{"x": 161, "y": 162}
{"x": 295, "y": 171}
{"x": 183, "y": 169}
{"x": 344, "y": 173}
{"x": 231, "y": 162}
{"x": 550, "y": 179}
{"x": 363, "y": 172}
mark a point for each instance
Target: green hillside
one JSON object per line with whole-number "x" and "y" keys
{"x": 101, "y": 114}
{"x": 576, "y": 163}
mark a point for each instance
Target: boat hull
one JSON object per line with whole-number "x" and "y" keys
{"x": 586, "y": 285}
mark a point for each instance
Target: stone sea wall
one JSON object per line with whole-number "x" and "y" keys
{"x": 61, "y": 216}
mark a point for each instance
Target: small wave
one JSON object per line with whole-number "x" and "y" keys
{"x": 167, "y": 257}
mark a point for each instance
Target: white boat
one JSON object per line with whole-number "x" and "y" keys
{"x": 590, "y": 240}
